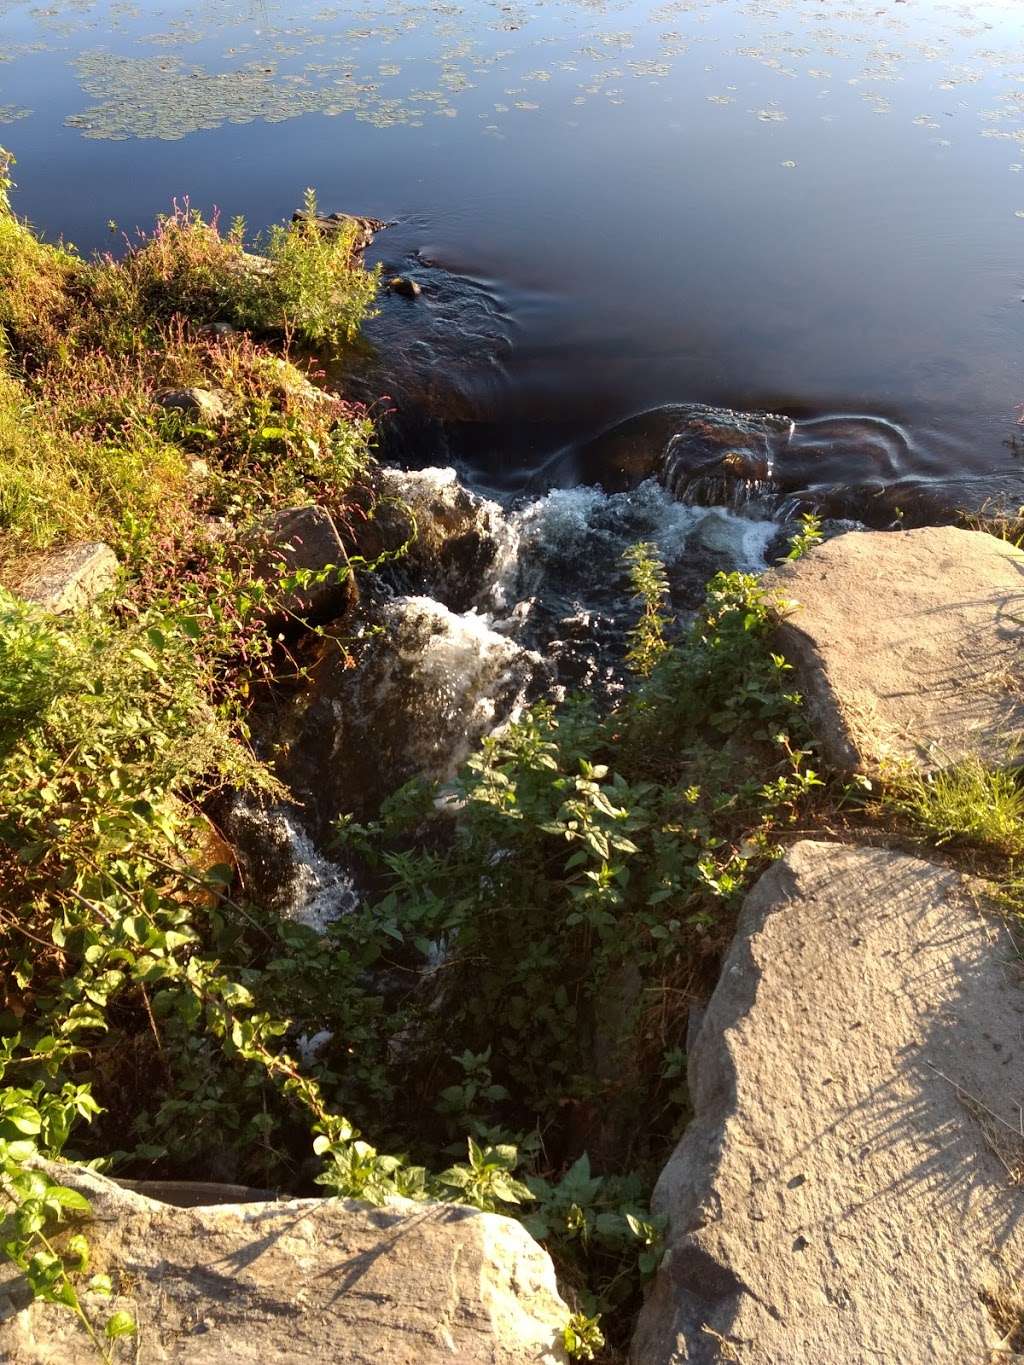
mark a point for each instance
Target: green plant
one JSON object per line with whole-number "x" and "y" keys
{"x": 809, "y": 535}
{"x": 36, "y": 1117}
{"x": 316, "y": 285}
{"x": 649, "y": 582}
{"x": 966, "y": 802}
{"x": 583, "y": 1337}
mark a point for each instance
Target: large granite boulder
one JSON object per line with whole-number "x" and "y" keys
{"x": 302, "y": 1280}
{"x": 849, "y": 1190}
{"x": 907, "y": 646}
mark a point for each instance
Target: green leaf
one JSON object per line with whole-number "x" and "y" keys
{"x": 146, "y": 660}
{"x": 120, "y": 1325}
{"x": 70, "y": 1199}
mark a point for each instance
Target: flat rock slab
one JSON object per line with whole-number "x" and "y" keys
{"x": 70, "y": 578}
{"x": 848, "y": 1190}
{"x": 308, "y": 1280}
{"x": 907, "y": 646}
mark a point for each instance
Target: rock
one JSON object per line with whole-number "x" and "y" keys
{"x": 304, "y": 538}
{"x": 460, "y": 542}
{"x": 401, "y": 284}
{"x": 907, "y": 646}
{"x": 303, "y": 1280}
{"x": 427, "y": 686}
{"x": 200, "y": 405}
{"x": 365, "y": 228}
{"x": 849, "y": 1188}
{"x": 281, "y": 868}
{"x": 68, "y": 579}
{"x": 691, "y": 448}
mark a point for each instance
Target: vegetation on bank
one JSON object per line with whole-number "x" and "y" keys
{"x": 514, "y": 989}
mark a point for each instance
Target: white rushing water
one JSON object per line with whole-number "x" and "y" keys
{"x": 551, "y": 614}
{"x": 293, "y": 875}
{"x": 586, "y": 524}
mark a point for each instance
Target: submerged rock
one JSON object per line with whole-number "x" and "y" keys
{"x": 849, "y": 1187}
{"x": 303, "y": 1281}
{"x": 907, "y": 647}
{"x": 67, "y": 579}
{"x": 684, "y": 444}
{"x": 427, "y": 685}
{"x": 402, "y": 284}
{"x": 856, "y": 468}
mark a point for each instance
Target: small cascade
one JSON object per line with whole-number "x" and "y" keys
{"x": 457, "y": 676}
{"x": 283, "y": 868}
{"x": 718, "y": 457}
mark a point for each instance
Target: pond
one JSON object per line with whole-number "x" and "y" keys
{"x": 807, "y": 206}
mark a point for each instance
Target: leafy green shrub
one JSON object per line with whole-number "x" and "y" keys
{"x": 589, "y": 851}
{"x": 316, "y": 286}
{"x": 310, "y": 283}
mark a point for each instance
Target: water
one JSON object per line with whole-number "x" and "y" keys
{"x": 810, "y": 206}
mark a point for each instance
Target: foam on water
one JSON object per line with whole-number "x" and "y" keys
{"x": 584, "y": 527}
{"x": 294, "y": 877}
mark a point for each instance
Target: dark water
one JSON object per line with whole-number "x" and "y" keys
{"x": 811, "y": 206}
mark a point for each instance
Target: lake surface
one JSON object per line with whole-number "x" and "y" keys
{"x": 810, "y": 206}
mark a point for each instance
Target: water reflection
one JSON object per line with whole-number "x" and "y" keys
{"x": 814, "y": 202}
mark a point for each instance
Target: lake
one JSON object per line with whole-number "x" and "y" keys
{"x": 808, "y": 206}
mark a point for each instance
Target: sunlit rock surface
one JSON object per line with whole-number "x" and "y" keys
{"x": 849, "y": 1189}
{"x": 907, "y": 647}
{"x": 303, "y": 1280}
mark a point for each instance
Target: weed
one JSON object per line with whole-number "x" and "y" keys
{"x": 965, "y": 803}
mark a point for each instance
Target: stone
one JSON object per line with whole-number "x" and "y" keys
{"x": 199, "y": 405}
{"x": 427, "y": 684}
{"x": 907, "y": 646}
{"x": 304, "y": 538}
{"x": 401, "y": 284}
{"x": 302, "y": 1281}
{"x": 365, "y": 228}
{"x": 461, "y": 540}
{"x": 849, "y": 1189}
{"x": 68, "y": 579}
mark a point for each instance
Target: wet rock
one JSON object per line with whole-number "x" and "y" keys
{"x": 427, "y": 685}
{"x": 849, "y": 1187}
{"x": 332, "y": 223}
{"x": 67, "y": 579}
{"x": 199, "y": 405}
{"x": 715, "y": 451}
{"x": 217, "y": 329}
{"x": 301, "y": 540}
{"x": 907, "y": 646}
{"x": 401, "y": 284}
{"x": 460, "y": 542}
{"x": 683, "y": 445}
{"x": 303, "y": 1281}
{"x": 281, "y": 867}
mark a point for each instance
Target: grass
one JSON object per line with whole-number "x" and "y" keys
{"x": 87, "y": 348}
{"x": 967, "y": 803}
